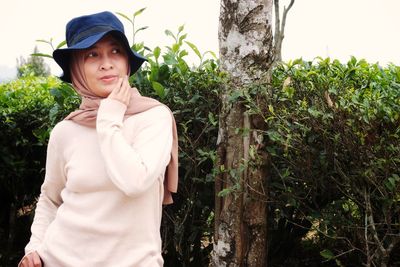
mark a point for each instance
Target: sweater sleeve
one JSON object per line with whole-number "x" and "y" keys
{"x": 134, "y": 166}
{"x": 50, "y": 196}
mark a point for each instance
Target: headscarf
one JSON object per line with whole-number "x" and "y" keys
{"x": 87, "y": 113}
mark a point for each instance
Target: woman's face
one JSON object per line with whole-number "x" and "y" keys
{"x": 104, "y": 63}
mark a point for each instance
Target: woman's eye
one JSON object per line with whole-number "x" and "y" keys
{"x": 115, "y": 51}
{"x": 91, "y": 54}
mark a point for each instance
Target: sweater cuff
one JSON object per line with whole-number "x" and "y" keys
{"x": 111, "y": 110}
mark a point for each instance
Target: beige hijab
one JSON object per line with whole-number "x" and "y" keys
{"x": 87, "y": 113}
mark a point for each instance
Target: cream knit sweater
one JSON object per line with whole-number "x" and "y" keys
{"x": 101, "y": 200}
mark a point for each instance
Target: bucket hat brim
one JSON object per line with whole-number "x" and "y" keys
{"x": 63, "y": 55}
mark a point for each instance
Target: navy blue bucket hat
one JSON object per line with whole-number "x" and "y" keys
{"x": 84, "y": 31}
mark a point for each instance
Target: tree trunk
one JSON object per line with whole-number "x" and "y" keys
{"x": 280, "y": 28}
{"x": 246, "y": 54}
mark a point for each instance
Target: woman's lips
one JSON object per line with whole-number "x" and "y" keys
{"x": 109, "y": 78}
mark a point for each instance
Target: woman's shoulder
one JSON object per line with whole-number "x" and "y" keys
{"x": 160, "y": 110}
{"x": 158, "y": 116}
{"x": 66, "y": 129}
{"x": 154, "y": 114}
{"x": 62, "y": 127}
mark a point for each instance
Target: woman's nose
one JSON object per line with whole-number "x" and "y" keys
{"x": 106, "y": 63}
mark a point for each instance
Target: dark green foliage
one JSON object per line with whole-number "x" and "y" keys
{"x": 24, "y": 124}
{"x": 334, "y": 141}
{"x": 29, "y": 108}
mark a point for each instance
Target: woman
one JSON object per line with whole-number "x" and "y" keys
{"x": 107, "y": 163}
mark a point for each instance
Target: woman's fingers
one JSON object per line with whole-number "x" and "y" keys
{"x": 127, "y": 89}
{"x": 122, "y": 92}
{"x": 26, "y": 261}
{"x": 31, "y": 260}
{"x": 36, "y": 260}
{"x": 117, "y": 88}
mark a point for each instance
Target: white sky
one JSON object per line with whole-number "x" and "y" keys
{"x": 336, "y": 28}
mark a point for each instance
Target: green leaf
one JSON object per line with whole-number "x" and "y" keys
{"x": 164, "y": 73}
{"x": 125, "y": 16}
{"x": 157, "y": 52}
{"x": 314, "y": 112}
{"x": 141, "y": 29}
{"x": 169, "y": 59}
{"x": 183, "y": 53}
{"x": 298, "y": 61}
{"x": 182, "y": 38}
{"x": 311, "y": 73}
{"x": 289, "y": 91}
{"x": 159, "y": 88}
{"x": 224, "y": 192}
{"x": 212, "y": 53}
{"x": 61, "y": 44}
{"x": 391, "y": 182}
{"x": 274, "y": 135}
{"x": 327, "y": 254}
{"x": 271, "y": 109}
{"x": 175, "y": 48}
{"x": 140, "y": 11}
{"x": 169, "y": 33}
{"x": 212, "y": 119}
{"x": 41, "y": 55}
{"x": 235, "y": 95}
{"x": 194, "y": 48}
{"x": 138, "y": 46}
{"x": 43, "y": 41}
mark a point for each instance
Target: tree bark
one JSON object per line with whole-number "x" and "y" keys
{"x": 246, "y": 54}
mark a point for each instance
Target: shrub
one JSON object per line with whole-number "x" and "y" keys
{"x": 24, "y": 123}
{"x": 333, "y": 137}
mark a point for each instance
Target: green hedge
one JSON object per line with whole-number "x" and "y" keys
{"x": 330, "y": 130}
{"x": 24, "y": 116}
{"x": 333, "y": 136}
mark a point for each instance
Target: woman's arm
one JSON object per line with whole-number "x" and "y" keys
{"x": 50, "y": 198}
{"x": 134, "y": 166}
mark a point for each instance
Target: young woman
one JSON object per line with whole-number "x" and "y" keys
{"x": 110, "y": 165}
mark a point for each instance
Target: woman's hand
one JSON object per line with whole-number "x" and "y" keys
{"x": 122, "y": 92}
{"x": 31, "y": 259}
